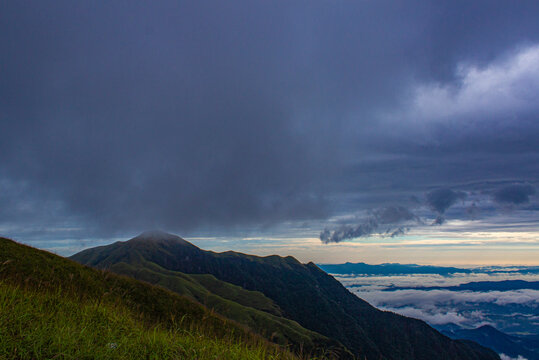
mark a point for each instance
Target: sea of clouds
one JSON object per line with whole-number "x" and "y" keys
{"x": 513, "y": 311}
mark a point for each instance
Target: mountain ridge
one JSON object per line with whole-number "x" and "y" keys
{"x": 500, "y": 285}
{"x": 305, "y": 293}
{"x": 389, "y": 269}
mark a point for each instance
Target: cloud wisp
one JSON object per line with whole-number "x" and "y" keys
{"x": 387, "y": 222}
{"x": 394, "y": 221}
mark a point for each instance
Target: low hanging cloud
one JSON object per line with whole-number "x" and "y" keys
{"x": 434, "y": 299}
{"x": 506, "y": 357}
{"x": 388, "y": 222}
{"x": 436, "y": 318}
{"x": 398, "y": 220}
{"x": 440, "y": 200}
{"x": 514, "y": 194}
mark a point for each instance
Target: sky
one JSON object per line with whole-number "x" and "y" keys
{"x": 376, "y": 131}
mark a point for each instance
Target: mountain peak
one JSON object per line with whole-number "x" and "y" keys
{"x": 489, "y": 328}
{"x": 158, "y": 236}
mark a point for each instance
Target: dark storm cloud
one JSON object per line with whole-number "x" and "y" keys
{"x": 387, "y": 222}
{"x": 440, "y": 200}
{"x": 514, "y": 194}
{"x": 187, "y": 115}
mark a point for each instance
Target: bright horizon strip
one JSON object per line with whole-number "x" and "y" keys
{"x": 456, "y": 243}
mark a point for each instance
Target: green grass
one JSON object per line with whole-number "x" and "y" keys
{"x": 250, "y": 308}
{"x": 37, "y": 325}
{"x": 254, "y": 299}
{"x": 52, "y": 307}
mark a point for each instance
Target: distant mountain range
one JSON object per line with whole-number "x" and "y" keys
{"x": 389, "y": 269}
{"x": 503, "y": 285}
{"x": 513, "y": 346}
{"x": 301, "y": 302}
{"x": 403, "y": 269}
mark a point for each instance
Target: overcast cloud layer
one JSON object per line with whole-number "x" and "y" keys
{"x": 117, "y": 116}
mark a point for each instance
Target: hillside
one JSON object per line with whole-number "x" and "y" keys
{"x": 52, "y": 307}
{"x": 303, "y": 292}
{"x": 250, "y": 308}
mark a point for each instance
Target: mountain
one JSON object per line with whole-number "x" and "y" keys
{"x": 504, "y": 285}
{"x": 389, "y": 269}
{"x": 514, "y": 346}
{"x": 303, "y": 292}
{"x": 52, "y": 307}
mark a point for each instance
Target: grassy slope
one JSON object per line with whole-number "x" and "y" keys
{"x": 250, "y": 308}
{"x": 54, "y": 307}
{"x": 37, "y": 325}
{"x": 199, "y": 285}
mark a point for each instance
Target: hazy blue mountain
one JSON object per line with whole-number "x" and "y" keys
{"x": 402, "y": 269}
{"x": 504, "y": 285}
{"x": 488, "y": 336}
{"x": 388, "y": 269}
